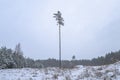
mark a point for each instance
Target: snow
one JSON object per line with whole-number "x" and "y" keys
{"x": 105, "y": 72}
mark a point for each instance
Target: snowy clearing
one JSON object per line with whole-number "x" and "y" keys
{"x": 108, "y": 72}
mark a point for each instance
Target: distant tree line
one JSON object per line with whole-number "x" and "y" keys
{"x": 14, "y": 59}
{"x": 109, "y": 58}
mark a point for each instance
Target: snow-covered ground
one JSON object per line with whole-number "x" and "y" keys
{"x": 108, "y": 72}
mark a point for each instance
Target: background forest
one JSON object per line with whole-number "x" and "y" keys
{"x": 15, "y": 59}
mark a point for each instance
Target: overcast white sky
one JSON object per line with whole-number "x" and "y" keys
{"x": 92, "y": 27}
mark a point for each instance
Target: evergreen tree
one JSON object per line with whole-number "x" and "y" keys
{"x": 18, "y": 57}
